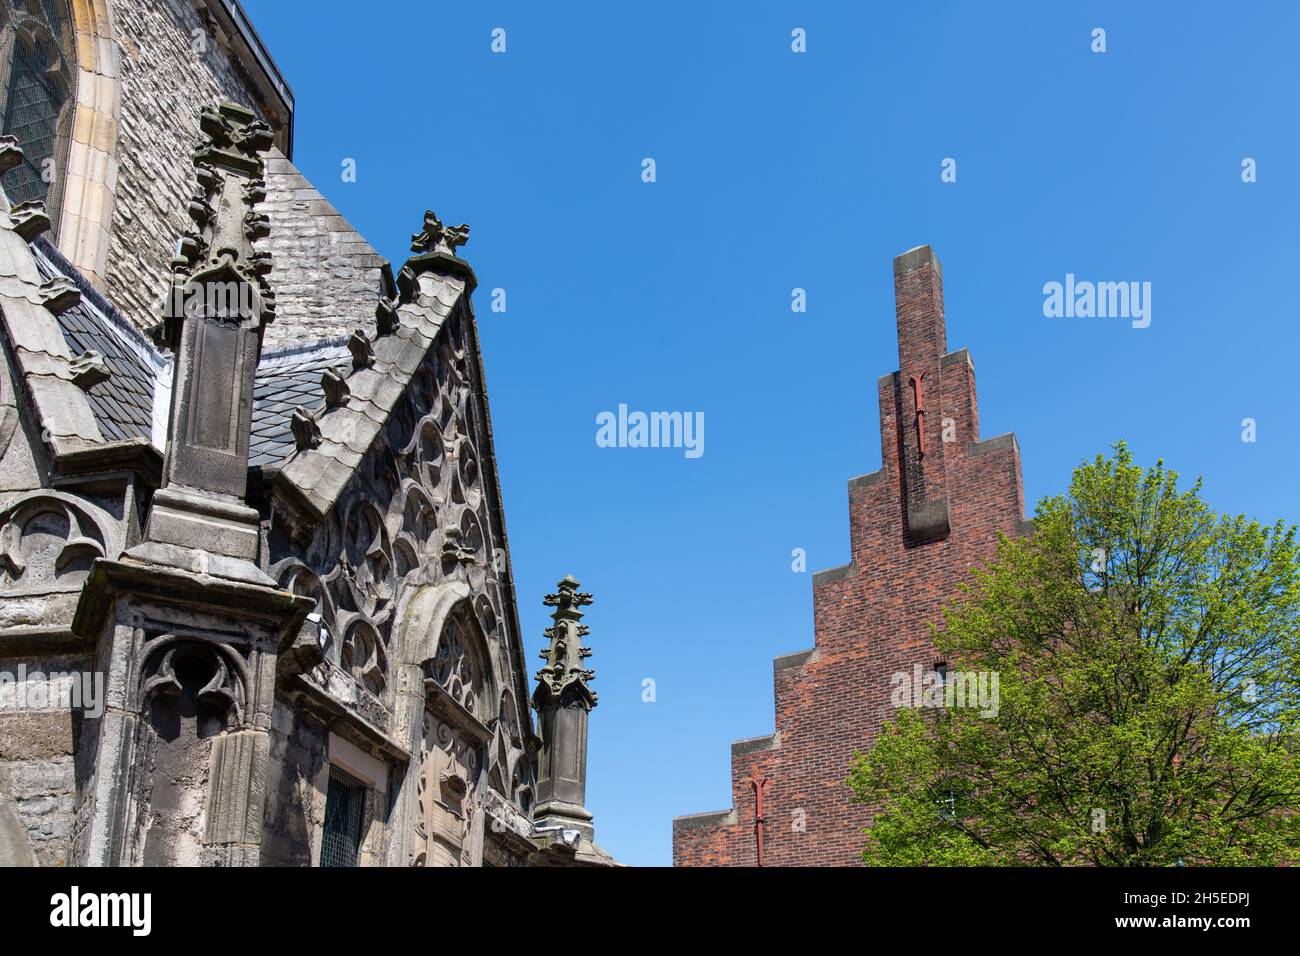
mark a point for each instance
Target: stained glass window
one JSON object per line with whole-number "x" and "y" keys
{"x": 38, "y": 96}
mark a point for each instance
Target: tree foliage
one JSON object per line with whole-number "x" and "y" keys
{"x": 1148, "y": 661}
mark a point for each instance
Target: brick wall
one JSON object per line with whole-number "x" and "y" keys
{"x": 917, "y": 528}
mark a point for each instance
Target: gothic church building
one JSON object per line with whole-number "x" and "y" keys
{"x": 256, "y": 605}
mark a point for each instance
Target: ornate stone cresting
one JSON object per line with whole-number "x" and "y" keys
{"x": 373, "y": 396}
{"x": 391, "y": 523}
{"x": 563, "y": 699}
{"x": 213, "y": 319}
{"x": 388, "y": 472}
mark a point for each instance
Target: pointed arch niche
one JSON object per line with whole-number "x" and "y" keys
{"x": 460, "y": 688}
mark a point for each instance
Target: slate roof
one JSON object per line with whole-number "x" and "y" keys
{"x": 123, "y": 405}
{"x": 327, "y": 277}
{"x": 286, "y": 379}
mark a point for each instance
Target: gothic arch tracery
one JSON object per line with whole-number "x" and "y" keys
{"x": 216, "y": 679}
{"x": 413, "y": 516}
{"x": 49, "y": 539}
{"x": 460, "y": 665}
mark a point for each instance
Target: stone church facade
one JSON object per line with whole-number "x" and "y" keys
{"x": 256, "y": 605}
{"x": 917, "y": 527}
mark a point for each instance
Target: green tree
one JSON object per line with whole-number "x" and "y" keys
{"x": 1148, "y": 661}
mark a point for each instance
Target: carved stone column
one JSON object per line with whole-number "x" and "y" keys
{"x": 213, "y": 320}
{"x": 563, "y": 701}
{"x": 188, "y": 628}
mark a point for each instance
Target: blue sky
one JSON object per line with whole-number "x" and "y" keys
{"x": 778, "y": 170}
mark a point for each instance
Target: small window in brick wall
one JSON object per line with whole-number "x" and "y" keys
{"x": 942, "y": 678}
{"x": 345, "y": 804}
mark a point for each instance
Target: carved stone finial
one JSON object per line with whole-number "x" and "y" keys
{"x": 218, "y": 251}
{"x": 306, "y": 431}
{"x": 60, "y": 294}
{"x": 29, "y": 220}
{"x": 454, "y": 548}
{"x": 234, "y": 138}
{"x": 213, "y": 320}
{"x": 568, "y": 595}
{"x": 563, "y": 677}
{"x": 10, "y": 153}
{"x": 564, "y": 700}
{"x": 336, "y": 389}
{"x": 363, "y": 353}
{"x": 436, "y": 237}
{"x": 386, "y": 320}
{"x": 89, "y": 369}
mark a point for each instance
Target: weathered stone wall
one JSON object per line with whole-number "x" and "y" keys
{"x": 193, "y": 750}
{"x": 171, "y": 66}
{"x": 37, "y": 779}
{"x": 295, "y": 798}
{"x": 327, "y": 278}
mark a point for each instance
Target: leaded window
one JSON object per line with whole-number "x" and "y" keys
{"x": 37, "y": 97}
{"x": 345, "y": 804}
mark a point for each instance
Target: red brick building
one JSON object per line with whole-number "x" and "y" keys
{"x": 918, "y": 526}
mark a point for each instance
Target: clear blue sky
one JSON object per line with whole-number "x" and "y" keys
{"x": 775, "y": 171}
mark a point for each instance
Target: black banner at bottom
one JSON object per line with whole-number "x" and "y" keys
{"x": 629, "y": 906}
